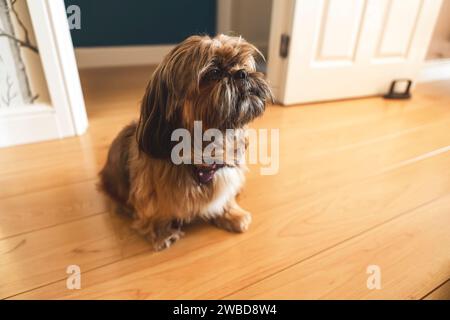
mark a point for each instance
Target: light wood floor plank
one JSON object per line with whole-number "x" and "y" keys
{"x": 34, "y": 210}
{"x": 280, "y": 236}
{"x": 83, "y": 161}
{"x": 346, "y": 167}
{"x": 50, "y": 207}
{"x": 312, "y": 152}
{"x": 412, "y": 261}
{"x": 363, "y": 120}
{"x": 37, "y": 258}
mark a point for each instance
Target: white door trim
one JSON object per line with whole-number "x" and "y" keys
{"x": 281, "y": 23}
{"x": 66, "y": 114}
{"x": 51, "y": 28}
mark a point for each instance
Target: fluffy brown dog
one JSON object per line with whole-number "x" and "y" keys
{"x": 213, "y": 80}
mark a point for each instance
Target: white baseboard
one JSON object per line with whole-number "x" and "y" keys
{"x": 20, "y": 125}
{"x": 434, "y": 70}
{"x": 99, "y": 57}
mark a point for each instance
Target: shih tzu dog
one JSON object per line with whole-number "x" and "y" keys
{"x": 212, "y": 80}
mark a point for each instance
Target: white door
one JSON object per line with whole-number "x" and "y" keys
{"x": 40, "y": 91}
{"x": 334, "y": 49}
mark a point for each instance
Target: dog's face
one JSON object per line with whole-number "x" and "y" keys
{"x": 213, "y": 80}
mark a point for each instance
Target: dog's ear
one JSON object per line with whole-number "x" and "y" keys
{"x": 165, "y": 97}
{"x": 156, "y": 123}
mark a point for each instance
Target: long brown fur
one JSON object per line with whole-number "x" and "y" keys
{"x": 209, "y": 79}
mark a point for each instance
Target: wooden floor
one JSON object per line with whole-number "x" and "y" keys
{"x": 361, "y": 182}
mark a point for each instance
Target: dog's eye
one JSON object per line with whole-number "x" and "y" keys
{"x": 214, "y": 74}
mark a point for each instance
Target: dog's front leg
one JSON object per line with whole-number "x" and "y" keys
{"x": 164, "y": 235}
{"x": 161, "y": 233}
{"x": 234, "y": 218}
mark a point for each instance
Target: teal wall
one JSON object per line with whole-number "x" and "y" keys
{"x": 141, "y": 22}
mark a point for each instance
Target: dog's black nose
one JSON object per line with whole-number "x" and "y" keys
{"x": 240, "y": 74}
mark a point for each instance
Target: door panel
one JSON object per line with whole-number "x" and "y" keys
{"x": 348, "y": 48}
{"x": 337, "y": 41}
{"x": 399, "y": 25}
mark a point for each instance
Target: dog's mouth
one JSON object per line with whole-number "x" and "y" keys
{"x": 244, "y": 94}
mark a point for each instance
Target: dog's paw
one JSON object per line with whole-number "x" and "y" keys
{"x": 164, "y": 242}
{"x": 234, "y": 221}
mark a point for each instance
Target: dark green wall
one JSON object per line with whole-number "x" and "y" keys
{"x": 141, "y": 22}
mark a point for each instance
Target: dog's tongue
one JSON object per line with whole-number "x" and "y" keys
{"x": 206, "y": 174}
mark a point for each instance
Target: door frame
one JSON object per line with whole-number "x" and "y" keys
{"x": 66, "y": 114}
{"x": 281, "y": 24}
{"x": 223, "y": 16}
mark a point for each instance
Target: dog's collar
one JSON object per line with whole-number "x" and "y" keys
{"x": 205, "y": 174}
